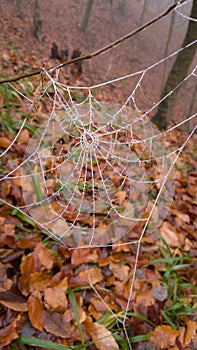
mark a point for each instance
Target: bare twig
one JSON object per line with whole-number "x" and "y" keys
{"x": 102, "y": 50}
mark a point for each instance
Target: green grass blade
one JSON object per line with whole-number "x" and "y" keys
{"x": 74, "y": 305}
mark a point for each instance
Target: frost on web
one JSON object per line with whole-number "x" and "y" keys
{"x": 97, "y": 173}
{"x": 92, "y": 170}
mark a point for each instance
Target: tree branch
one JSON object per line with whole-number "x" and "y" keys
{"x": 102, "y": 50}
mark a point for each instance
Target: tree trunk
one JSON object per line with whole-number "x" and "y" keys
{"x": 87, "y": 15}
{"x": 178, "y": 72}
{"x": 19, "y": 9}
{"x": 37, "y": 23}
{"x": 145, "y": 6}
{"x": 173, "y": 15}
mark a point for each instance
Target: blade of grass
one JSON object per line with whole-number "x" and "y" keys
{"x": 75, "y": 309}
{"x": 43, "y": 343}
{"x": 167, "y": 318}
{"x": 23, "y": 217}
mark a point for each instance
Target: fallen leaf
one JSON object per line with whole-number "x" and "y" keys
{"x": 5, "y": 282}
{"x": 100, "y": 334}
{"x": 35, "y": 311}
{"x": 145, "y": 298}
{"x": 87, "y": 277}
{"x": 39, "y": 280}
{"x": 163, "y": 337}
{"x": 84, "y": 255}
{"x": 14, "y": 301}
{"x": 55, "y": 323}
{"x": 168, "y": 232}
{"x": 7, "y": 335}
{"x": 24, "y": 136}
{"x": 4, "y": 142}
{"x": 45, "y": 256}
{"x": 187, "y": 333}
{"x": 55, "y": 296}
{"x": 120, "y": 271}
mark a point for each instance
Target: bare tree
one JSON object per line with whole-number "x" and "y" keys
{"x": 178, "y": 72}
{"x": 173, "y": 15}
{"x": 37, "y": 22}
{"x": 87, "y": 15}
{"x": 19, "y": 9}
{"x": 145, "y": 6}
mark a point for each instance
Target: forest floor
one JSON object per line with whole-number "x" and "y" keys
{"x": 46, "y": 300}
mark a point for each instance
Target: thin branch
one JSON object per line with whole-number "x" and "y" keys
{"x": 102, "y": 50}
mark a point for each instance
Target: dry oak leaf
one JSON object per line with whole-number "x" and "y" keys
{"x": 163, "y": 337}
{"x": 87, "y": 277}
{"x": 24, "y": 136}
{"x": 4, "y": 142}
{"x": 57, "y": 324}
{"x": 145, "y": 298}
{"x": 55, "y": 296}
{"x": 120, "y": 271}
{"x": 14, "y": 301}
{"x": 35, "y": 311}
{"x": 168, "y": 232}
{"x": 84, "y": 255}
{"x": 7, "y": 335}
{"x": 5, "y": 282}
{"x": 100, "y": 334}
{"x": 39, "y": 280}
{"x": 187, "y": 334}
{"x": 45, "y": 257}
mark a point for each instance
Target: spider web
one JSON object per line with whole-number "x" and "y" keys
{"x": 95, "y": 173}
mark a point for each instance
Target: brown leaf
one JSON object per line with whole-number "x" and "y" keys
{"x": 38, "y": 281}
{"x": 14, "y": 301}
{"x": 56, "y": 323}
{"x": 4, "y": 142}
{"x": 81, "y": 256}
{"x": 98, "y": 332}
{"x": 35, "y": 311}
{"x": 120, "y": 271}
{"x": 5, "y": 282}
{"x": 145, "y": 298}
{"x": 45, "y": 257}
{"x": 55, "y": 296}
{"x": 187, "y": 334}
{"x": 86, "y": 277}
{"x": 163, "y": 337}
{"x": 168, "y": 232}
{"x": 7, "y": 335}
{"x": 24, "y": 136}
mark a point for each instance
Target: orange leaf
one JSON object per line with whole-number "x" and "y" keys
{"x": 36, "y": 310}
{"x": 84, "y": 255}
{"x": 120, "y": 271}
{"x": 24, "y": 136}
{"x": 38, "y": 281}
{"x": 98, "y": 332}
{"x": 7, "y": 334}
{"x": 168, "y": 232}
{"x": 189, "y": 332}
{"x": 163, "y": 337}
{"x": 4, "y": 142}
{"x": 45, "y": 257}
{"x": 86, "y": 277}
{"x": 145, "y": 298}
{"x": 55, "y": 297}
